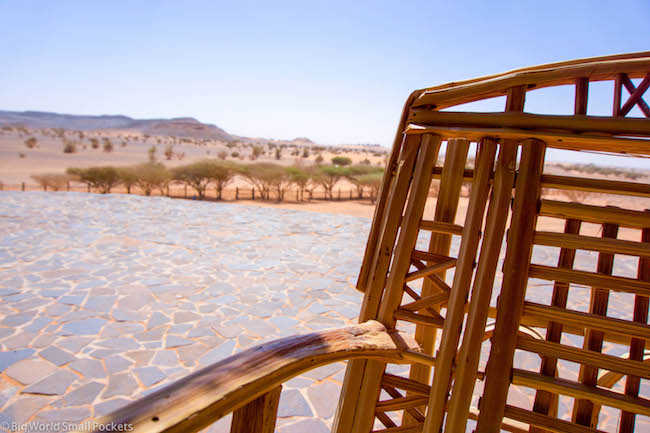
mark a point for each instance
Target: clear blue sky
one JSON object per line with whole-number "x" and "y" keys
{"x": 337, "y": 72}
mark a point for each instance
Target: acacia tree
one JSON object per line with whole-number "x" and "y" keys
{"x": 151, "y": 176}
{"x": 198, "y": 175}
{"x": 266, "y": 176}
{"x": 100, "y": 178}
{"x": 299, "y": 177}
{"x": 357, "y": 172}
{"x": 54, "y": 182}
{"x": 371, "y": 181}
{"x": 328, "y": 176}
{"x": 222, "y": 174}
{"x": 128, "y": 177}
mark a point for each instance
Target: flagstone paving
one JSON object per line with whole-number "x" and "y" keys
{"x": 106, "y": 298}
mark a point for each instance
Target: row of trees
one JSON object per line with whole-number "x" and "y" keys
{"x": 269, "y": 179}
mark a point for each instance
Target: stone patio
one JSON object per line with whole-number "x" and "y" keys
{"x": 108, "y": 297}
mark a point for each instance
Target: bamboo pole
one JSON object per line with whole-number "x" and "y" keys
{"x": 619, "y": 284}
{"x": 611, "y": 325}
{"x": 595, "y": 214}
{"x": 584, "y": 412}
{"x": 468, "y": 358}
{"x": 550, "y": 349}
{"x": 387, "y": 233}
{"x": 636, "y": 65}
{"x": 460, "y": 288}
{"x": 515, "y": 278}
{"x": 545, "y": 402}
{"x": 384, "y": 192}
{"x": 440, "y": 243}
{"x": 575, "y": 241}
{"x": 581, "y": 391}
{"x": 576, "y": 123}
{"x": 370, "y": 386}
{"x": 637, "y": 346}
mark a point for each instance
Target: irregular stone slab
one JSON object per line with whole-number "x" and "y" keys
{"x": 123, "y": 344}
{"x": 24, "y": 408}
{"x": 75, "y": 344}
{"x": 306, "y": 425}
{"x": 29, "y": 371}
{"x": 220, "y": 352}
{"x": 19, "y": 341}
{"x": 117, "y": 364}
{"x": 176, "y": 341}
{"x": 165, "y": 358}
{"x": 324, "y": 397}
{"x": 84, "y": 327}
{"x": 325, "y": 371}
{"x": 149, "y": 375}
{"x": 185, "y": 316}
{"x": 120, "y": 384}
{"x": 157, "y": 319}
{"x": 84, "y": 395}
{"x": 18, "y": 319}
{"x": 89, "y": 368}
{"x": 292, "y": 403}
{"x": 57, "y": 356}
{"x": 68, "y": 415}
{"x": 38, "y": 324}
{"x": 54, "y": 384}
{"x": 107, "y": 407}
{"x": 9, "y": 358}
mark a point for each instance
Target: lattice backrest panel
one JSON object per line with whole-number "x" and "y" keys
{"x": 568, "y": 325}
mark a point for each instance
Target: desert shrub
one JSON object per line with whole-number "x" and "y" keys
{"x": 21, "y": 155}
{"x": 356, "y": 173}
{"x": 169, "y": 152}
{"x": 201, "y": 174}
{"x": 305, "y": 153}
{"x": 94, "y": 143}
{"x": 328, "y": 176}
{"x": 235, "y": 154}
{"x": 222, "y": 155}
{"x": 278, "y": 153}
{"x": 151, "y": 176}
{"x": 100, "y": 178}
{"x": 108, "y": 146}
{"x": 366, "y": 162}
{"x": 319, "y": 159}
{"x": 152, "y": 154}
{"x": 576, "y": 196}
{"x": 31, "y": 142}
{"x": 256, "y": 152}
{"x": 299, "y": 177}
{"x": 267, "y": 177}
{"x": 128, "y": 177}
{"x": 372, "y": 183}
{"x": 69, "y": 146}
{"x": 341, "y": 160}
{"x": 54, "y": 182}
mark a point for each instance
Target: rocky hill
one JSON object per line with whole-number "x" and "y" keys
{"x": 179, "y": 127}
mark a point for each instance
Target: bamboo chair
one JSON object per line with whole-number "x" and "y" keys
{"x": 403, "y": 284}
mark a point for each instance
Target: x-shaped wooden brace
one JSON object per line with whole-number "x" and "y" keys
{"x": 636, "y": 95}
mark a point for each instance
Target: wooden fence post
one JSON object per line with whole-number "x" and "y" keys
{"x": 185, "y": 191}
{"x": 339, "y": 194}
{"x": 88, "y": 187}
{"x": 259, "y": 415}
{"x": 236, "y": 193}
{"x": 22, "y": 186}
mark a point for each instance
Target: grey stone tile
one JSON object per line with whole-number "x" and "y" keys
{"x": 29, "y": 371}
{"x": 292, "y": 403}
{"x": 122, "y": 384}
{"x": 89, "y": 368}
{"x": 106, "y": 407}
{"x": 176, "y": 341}
{"x": 9, "y": 358}
{"x": 55, "y": 384}
{"x": 24, "y": 408}
{"x": 324, "y": 397}
{"x": 306, "y": 425}
{"x": 90, "y": 326}
{"x": 84, "y": 395}
{"x": 149, "y": 375}
{"x": 57, "y": 356}
{"x": 220, "y": 352}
